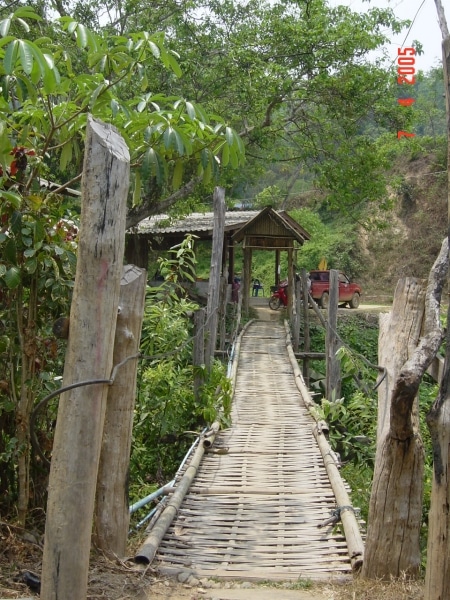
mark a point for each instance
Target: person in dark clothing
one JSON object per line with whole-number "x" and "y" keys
{"x": 256, "y": 287}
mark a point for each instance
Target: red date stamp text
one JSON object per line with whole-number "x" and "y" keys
{"x": 406, "y": 75}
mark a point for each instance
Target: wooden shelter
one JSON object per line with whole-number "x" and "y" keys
{"x": 269, "y": 230}
{"x": 258, "y": 230}
{"x": 162, "y": 232}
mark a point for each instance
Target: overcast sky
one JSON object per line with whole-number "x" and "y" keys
{"x": 425, "y": 27}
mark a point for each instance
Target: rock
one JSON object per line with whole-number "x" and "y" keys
{"x": 184, "y": 576}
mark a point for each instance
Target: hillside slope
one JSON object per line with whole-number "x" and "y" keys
{"x": 411, "y": 238}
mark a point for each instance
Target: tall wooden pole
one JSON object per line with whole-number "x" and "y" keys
{"x": 333, "y": 375}
{"x": 199, "y": 351}
{"x": 437, "y": 576}
{"x": 212, "y": 315}
{"x": 392, "y": 544}
{"x": 306, "y": 336}
{"x": 81, "y": 414}
{"x": 244, "y": 291}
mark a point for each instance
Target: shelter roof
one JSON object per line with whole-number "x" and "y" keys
{"x": 264, "y": 229}
{"x": 196, "y": 223}
{"x": 271, "y": 229}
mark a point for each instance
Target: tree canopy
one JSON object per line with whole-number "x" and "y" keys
{"x": 293, "y": 81}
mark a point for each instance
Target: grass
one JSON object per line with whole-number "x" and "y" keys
{"x": 364, "y": 589}
{"x": 357, "y": 589}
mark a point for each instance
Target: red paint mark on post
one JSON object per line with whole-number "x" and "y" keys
{"x": 406, "y": 75}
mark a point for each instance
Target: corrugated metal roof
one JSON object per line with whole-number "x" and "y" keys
{"x": 193, "y": 222}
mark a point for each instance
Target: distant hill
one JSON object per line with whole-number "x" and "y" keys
{"x": 410, "y": 241}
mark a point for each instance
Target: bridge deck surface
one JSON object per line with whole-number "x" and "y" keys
{"x": 255, "y": 505}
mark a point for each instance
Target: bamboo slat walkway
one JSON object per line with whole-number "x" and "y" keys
{"x": 255, "y": 505}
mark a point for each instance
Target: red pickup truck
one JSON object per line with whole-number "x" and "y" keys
{"x": 349, "y": 293}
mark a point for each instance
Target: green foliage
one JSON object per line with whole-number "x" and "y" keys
{"x": 297, "y": 81}
{"x": 170, "y": 138}
{"x": 429, "y": 106}
{"x": 270, "y": 196}
{"x": 352, "y": 424}
{"x": 52, "y": 75}
{"x": 359, "y": 479}
{"x": 38, "y": 242}
{"x": 338, "y": 245}
{"x": 168, "y": 413}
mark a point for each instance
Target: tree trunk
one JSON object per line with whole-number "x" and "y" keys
{"x": 79, "y": 428}
{"x": 437, "y": 577}
{"x": 112, "y": 509}
{"x": 410, "y": 337}
{"x": 26, "y": 320}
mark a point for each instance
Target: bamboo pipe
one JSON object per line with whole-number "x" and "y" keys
{"x": 147, "y": 552}
{"x": 350, "y": 524}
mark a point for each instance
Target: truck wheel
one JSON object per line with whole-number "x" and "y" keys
{"x": 354, "y": 302}
{"x": 325, "y": 300}
{"x": 274, "y": 303}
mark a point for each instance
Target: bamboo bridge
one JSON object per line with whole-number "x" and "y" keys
{"x": 260, "y": 502}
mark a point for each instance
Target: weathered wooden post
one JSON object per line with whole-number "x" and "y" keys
{"x": 199, "y": 350}
{"x": 297, "y": 307}
{"x": 245, "y": 280}
{"x": 212, "y": 314}
{"x": 393, "y": 536}
{"x": 437, "y": 576}
{"x": 291, "y": 286}
{"x": 112, "y": 515}
{"x": 410, "y": 336}
{"x": 81, "y": 414}
{"x": 333, "y": 376}
{"x": 223, "y": 312}
{"x": 306, "y": 336}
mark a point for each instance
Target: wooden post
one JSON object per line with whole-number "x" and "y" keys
{"x": 437, "y": 576}
{"x": 277, "y": 266}
{"x": 296, "y": 318}
{"x": 333, "y": 375}
{"x": 245, "y": 280}
{"x": 214, "y": 274}
{"x": 223, "y": 302}
{"x": 199, "y": 349}
{"x": 112, "y": 509}
{"x": 231, "y": 273}
{"x": 81, "y": 414}
{"x": 291, "y": 286}
{"x": 408, "y": 343}
{"x": 306, "y": 336}
{"x": 392, "y": 546}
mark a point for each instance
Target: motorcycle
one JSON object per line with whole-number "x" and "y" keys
{"x": 279, "y": 296}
